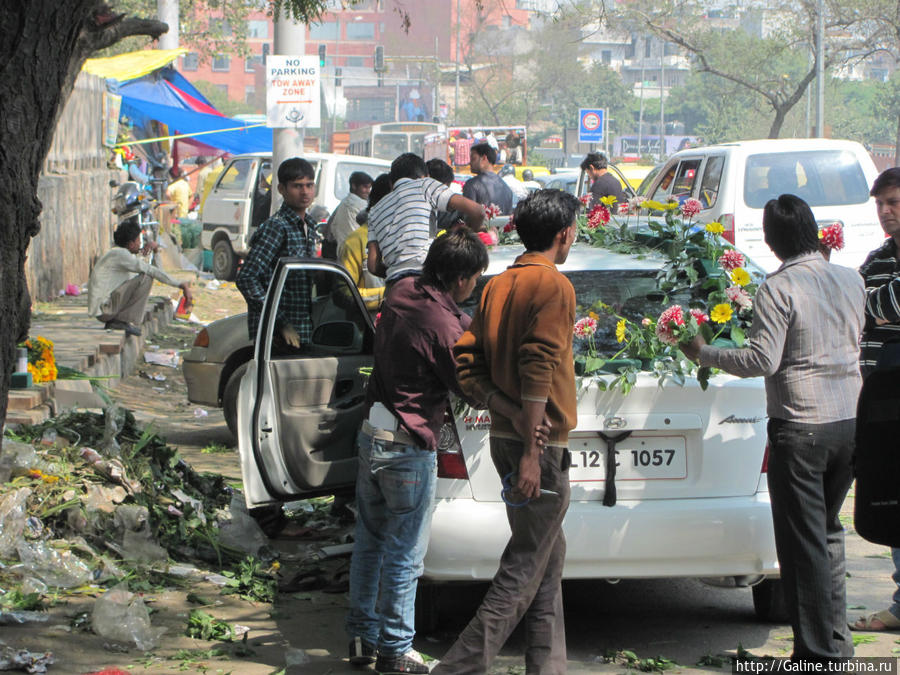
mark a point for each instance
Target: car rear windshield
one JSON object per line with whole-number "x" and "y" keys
{"x": 633, "y": 294}
{"x": 819, "y": 177}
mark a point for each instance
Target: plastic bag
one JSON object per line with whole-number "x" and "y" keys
{"x": 121, "y": 616}
{"x": 16, "y": 458}
{"x": 54, "y": 567}
{"x": 241, "y": 531}
{"x": 12, "y": 658}
{"x": 12, "y": 520}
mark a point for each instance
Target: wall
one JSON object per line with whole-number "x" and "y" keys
{"x": 76, "y": 221}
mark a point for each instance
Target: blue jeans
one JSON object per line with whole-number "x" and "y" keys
{"x": 395, "y": 497}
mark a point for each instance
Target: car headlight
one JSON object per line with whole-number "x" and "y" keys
{"x": 202, "y": 339}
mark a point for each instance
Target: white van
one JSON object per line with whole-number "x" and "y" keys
{"x": 733, "y": 182}
{"x": 240, "y": 200}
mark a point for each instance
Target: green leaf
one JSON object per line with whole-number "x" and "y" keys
{"x": 737, "y": 334}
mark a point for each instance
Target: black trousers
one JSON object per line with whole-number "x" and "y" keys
{"x": 809, "y": 475}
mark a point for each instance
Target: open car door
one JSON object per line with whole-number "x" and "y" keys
{"x": 299, "y": 410}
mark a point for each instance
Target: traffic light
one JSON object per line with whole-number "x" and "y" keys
{"x": 337, "y": 76}
{"x": 379, "y": 58}
{"x": 321, "y": 56}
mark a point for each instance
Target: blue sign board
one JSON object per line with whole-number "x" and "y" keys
{"x": 590, "y": 125}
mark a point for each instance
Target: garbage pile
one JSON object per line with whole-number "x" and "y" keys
{"x": 88, "y": 499}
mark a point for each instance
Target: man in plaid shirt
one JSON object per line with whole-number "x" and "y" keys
{"x": 290, "y": 232}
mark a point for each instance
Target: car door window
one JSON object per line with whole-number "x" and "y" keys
{"x": 237, "y": 176}
{"x": 685, "y": 177}
{"x": 343, "y": 171}
{"x": 819, "y": 177}
{"x": 709, "y": 185}
{"x": 661, "y": 193}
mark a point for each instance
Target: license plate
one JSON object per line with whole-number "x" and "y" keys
{"x": 639, "y": 458}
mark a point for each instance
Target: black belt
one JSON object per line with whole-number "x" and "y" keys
{"x": 609, "y": 496}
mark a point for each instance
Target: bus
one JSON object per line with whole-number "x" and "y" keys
{"x": 388, "y": 140}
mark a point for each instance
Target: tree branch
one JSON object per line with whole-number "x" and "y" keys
{"x": 100, "y": 37}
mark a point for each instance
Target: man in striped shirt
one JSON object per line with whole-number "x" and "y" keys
{"x": 881, "y": 338}
{"x": 400, "y": 225}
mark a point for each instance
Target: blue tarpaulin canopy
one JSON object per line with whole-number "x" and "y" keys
{"x": 152, "y": 89}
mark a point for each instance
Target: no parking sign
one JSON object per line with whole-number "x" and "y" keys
{"x": 590, "y": 125}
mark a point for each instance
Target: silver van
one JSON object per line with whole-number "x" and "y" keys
{"x": 241, "y": 199}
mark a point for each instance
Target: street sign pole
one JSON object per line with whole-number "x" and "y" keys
{"x": 290, "y": 40}
{"x": 591, "y": 126}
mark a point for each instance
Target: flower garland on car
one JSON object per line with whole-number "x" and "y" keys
{"x": 699, "y": 260}
{"x": 41, "y": 362}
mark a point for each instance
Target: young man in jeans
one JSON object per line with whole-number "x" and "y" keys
{"x": 413, "y": 373}
{"x": 517, "y": 358}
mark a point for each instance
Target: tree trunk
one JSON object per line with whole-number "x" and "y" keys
{"x": 43, "y": 44}
{"x": 778, "y": 122}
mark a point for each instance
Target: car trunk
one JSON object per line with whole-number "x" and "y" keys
{"x": 683, "y": 442}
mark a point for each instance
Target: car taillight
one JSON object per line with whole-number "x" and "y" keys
{"x": 202, "y": 339}
{"x": 451, "y": 465}
{"x": 727, "y": 221}
{"x": 765, "y": 463}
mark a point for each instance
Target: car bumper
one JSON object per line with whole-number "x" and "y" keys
{"x": 202, "y": 380}
{"x": 669, "y": 538}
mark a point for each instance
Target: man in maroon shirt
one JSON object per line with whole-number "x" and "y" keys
{"x": 413, "y": 374}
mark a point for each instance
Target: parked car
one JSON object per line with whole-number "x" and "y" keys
{"x": 691, "y": 478}
{"x": 733, "y": 182}
{"x": 241, "y": 198}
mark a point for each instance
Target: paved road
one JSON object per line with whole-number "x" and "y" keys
{"x": 681, "y": 620}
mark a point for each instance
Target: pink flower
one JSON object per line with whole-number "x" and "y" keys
{"x": 586, "y": 327}
{"x": 510, "y": 225}
{"x": 646, "y": 321}
{"x": 691, "y": 207}
{"x": 739, "y": 297}
{"x": 598, "y": 216}
{"x": 623, "y": 208}
{"x": 700, "y": 317}
{"x": 832, "y": 236}
{"x": 488, "y": 238}
{"x": 584, "y": 199}
{"x": 491, "y": 211}
{"x": 668, "y": 322}
{"x": 731, "y": 260}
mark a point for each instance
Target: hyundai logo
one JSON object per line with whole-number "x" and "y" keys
{"x": 615, "y": 423}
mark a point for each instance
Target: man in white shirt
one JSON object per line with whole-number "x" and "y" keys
{"x": 120, "y": 282}
{"x": 343, "y": 221}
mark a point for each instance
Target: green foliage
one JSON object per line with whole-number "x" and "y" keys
{"x": 203, "y": 626}
{"x": 250, "y": 582}
{"x": 215, "y": 448}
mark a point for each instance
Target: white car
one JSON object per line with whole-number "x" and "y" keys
{"x": 691, "y": 478}
{"x": 733, "y": 182}
{"x": 241, "y": 198}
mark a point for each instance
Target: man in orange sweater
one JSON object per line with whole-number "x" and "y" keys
{"x": 516, "y": 357}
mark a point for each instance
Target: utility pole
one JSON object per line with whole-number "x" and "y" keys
{"x": 290, "y": 40}
{"x": 662, "y": 105}
{"x": 456, "y": 95}
{"x": 167, "y": 11}
{"x": 820, "y": 69}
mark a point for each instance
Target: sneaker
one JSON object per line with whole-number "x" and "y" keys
{"x": 361, "y": 652}
{"x": 397, "y": 664}
{"x": 129, "y": 328}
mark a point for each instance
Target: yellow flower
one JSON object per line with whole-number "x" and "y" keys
{"x": 715, "y": 228}
{"x": 594, "y": 315}
{"x": 739, "y": 276}
{"x": 620, "y": 331}
{"x": 49, "y": 479}
{"x": 608, "y": 200}
{"x": 35, "y": 473}
{"x": 671, "y": 206}
{"x": 653, "y": 205}
{"x": 721, "y": 313}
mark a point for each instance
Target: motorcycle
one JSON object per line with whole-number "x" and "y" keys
{"x": 131, "y": 202}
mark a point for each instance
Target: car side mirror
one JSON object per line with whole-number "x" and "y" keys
{"x": 339, "y": 335}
